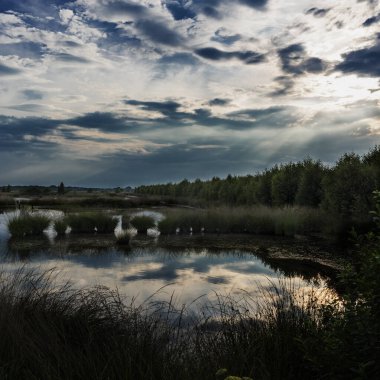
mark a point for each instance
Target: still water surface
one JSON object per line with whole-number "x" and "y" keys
{"x": 147, "y": 268}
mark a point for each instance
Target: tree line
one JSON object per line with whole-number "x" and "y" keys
{"x": 345, "y": 189}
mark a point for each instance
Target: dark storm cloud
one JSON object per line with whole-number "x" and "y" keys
{"x": 6, "y": 70}
{"x": 285, "y": 85}
{"x": 168, "y": 108}
{"x": 248, "y": 57}
{"x": 272, "y": 117}
{"x": 39, "y": 8}
{"x": 180, "y": 9}
{"x": 243, "y": 120}
{"x": 268, "y": 118}
{"x": 105, "y": 121}
{"x": 371, "y": 20}
{"x": 32, "y": 94}
{"x": 66, "y": 57}
{"x": 208, "y": 7}
{"x": 185, "y": 9}
{"x": 114, "y": 35}
{"x": 363, "y": 62}
{"x": 23, "y": 49}
{"x": 219, "y": 102}
{"x": 13, "y": 130}
{"x": 158, "y": 32}
{"x": 124, "y": 7}
{"x": 27, "y": 107}
{"x": 178, "y": 59}
{"x": 70, "y": 44}
{"x": 317, "y": 12}
{"x": 257, "y": 4}
{"x": 224, "y": 38}
{"x": 294, "y": 60}
{"x": 257, "y": 113}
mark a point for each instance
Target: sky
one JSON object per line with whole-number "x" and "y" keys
{"x": 113, "y": 93}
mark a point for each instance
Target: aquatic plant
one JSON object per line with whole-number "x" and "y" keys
{"x": 88, "y": 222}
{"x": 27, "y": 224}
{"x": 60, "y": 226}
{"x": 142, "y": 223}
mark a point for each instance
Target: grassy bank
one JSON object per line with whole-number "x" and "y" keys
{"x": 259, "y": 220}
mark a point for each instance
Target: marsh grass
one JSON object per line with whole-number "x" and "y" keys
{"x": 60, "y": 226}
{"x": 260, "y": 220}
{"x": 142, "y": 223}
{"x": 88, "y": 222}
{"x": 27, "y": 224}
{"x": 57, "y": 332}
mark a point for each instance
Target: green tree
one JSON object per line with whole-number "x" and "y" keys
{"x": 285, "y": 184}
{"x": 348, "y": 188}
{"x": 310, "y": 192}
{"x": 61, "y": 188}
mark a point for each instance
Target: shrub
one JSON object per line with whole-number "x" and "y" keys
{"x": 142, "y": 223}
{"x": 28, "y": 225}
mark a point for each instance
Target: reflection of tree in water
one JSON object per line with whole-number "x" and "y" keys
{"x": 101, "y": 252}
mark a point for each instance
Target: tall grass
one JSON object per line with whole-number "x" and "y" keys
{"x": 142, "y": 223}
{"x": 56, "y": 332}
{"x": 260, "y": 220}
{"x": 26, "y": 224}
{"x": 88, "y": 222}
{"x": 60, "y": 226}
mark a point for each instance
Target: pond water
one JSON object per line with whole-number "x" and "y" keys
{"x": 199, "y": 270}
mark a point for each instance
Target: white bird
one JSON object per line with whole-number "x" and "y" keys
{"x": 177, "y": 231}
{"x": 96, "y": 229}
{"x": 154, "y": 232}
{"x": 191, "y": 230}
{"x": 202, "y": 230}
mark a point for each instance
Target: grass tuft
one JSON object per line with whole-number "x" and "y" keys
{"x": 142, "y": 223}
{"x": 27, "y": 224}
{"x": 88, "y": 222}
{"x": 60, "y": 226}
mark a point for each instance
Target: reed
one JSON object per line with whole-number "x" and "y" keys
{"x": 259, "y": 220}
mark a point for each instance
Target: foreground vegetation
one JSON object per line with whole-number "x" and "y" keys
{"x": 56, "y": 332}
